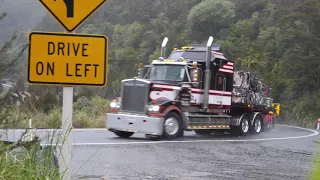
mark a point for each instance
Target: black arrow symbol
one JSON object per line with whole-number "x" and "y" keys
{"x": 70, "y": 7}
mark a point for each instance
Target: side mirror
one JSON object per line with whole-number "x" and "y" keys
{"x": 143, "y": 71}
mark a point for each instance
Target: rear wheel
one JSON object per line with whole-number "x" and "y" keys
{"x": 257, "y": 125}
{"x": 124, "y": 134}
{"x": 243, "y": 128}
{"x": 203, "y": 132}
{"x": 172, "y": 126}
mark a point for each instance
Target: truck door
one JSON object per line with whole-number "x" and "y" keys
{"x": 220, "y": 87}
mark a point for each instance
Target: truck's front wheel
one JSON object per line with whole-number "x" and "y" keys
{"x": 123, "y": 134}
{"x": 172, "y": 126}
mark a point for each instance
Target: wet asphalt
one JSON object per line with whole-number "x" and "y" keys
{"x": 282, "y": 153}
{"x": 199, "y": 158}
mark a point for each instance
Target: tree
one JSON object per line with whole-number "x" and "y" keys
{"x": 211, "y": 16}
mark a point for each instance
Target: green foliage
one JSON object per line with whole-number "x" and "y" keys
{"x": 88, "y": 113}
{"x": 282, "y": 45}
{"x": 210, "y": 17}
{"x": 280, "y": 40}
{"x": 23, "y": 163}
{"x": 315, "y": 173}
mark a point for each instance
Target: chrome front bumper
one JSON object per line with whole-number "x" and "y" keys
{"x": 135, "y": 123}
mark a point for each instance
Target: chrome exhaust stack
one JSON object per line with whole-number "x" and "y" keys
{"x": 207, "y": 75}
{"x": 163, "y": 47}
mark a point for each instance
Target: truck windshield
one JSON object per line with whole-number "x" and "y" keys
{"x": 167, "y": 73}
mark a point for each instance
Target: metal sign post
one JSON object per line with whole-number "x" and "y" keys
{"x": 66, "y": 136}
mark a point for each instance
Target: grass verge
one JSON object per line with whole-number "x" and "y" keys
{"x": 315, "y": 174}
{"x": 27, "y": 163}
{"x": 87, "y": 113}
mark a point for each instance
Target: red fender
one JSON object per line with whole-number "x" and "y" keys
{"x": 170, "y": 108}
{"x": 166, "y": 111}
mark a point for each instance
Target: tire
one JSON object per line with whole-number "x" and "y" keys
{"x": 257, "y": 126}
{"x": 245, "y": 121}
{"x": 123, "y": 134}
{"x": 172, "y": 126}
{"x": 243, "y": 129}
{"x": 203, "y": 132}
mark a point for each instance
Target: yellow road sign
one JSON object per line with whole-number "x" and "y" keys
{"x": 71, "y": 13}
{"x": 277, "y": 108}
{"x": 67, "y": 59}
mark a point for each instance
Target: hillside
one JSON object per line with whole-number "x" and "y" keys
{"x": 278, "y": 39}
{"x": 22, "y": 15}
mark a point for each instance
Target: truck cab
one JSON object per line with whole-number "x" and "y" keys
{"x": 192, "y": 89}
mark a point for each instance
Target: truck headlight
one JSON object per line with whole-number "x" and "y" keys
{"x": 154, "y": 108}
{"x": 115, "y": 104}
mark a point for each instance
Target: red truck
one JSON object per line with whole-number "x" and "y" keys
{"x": 195, "y": 89}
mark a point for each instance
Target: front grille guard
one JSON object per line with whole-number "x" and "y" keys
{"x": 146, "y": 94}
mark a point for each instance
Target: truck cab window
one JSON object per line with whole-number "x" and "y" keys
{"x": 174, "y": 73}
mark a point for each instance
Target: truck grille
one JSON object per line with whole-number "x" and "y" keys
{"x": 135, "y": 94}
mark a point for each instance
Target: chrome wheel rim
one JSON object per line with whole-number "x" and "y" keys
{"x": 245, "y": 125}
{"x": 257, "y": 125}
{"x": 171, "y": 126}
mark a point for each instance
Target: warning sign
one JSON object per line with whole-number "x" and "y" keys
{"x": 71, "y": 13}
{"x": 67, "y": 59}
{"x": 277, "y": 108}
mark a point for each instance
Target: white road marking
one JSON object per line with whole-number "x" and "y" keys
{"x": 59, "y": 130}
{"x": 314, "y": 133}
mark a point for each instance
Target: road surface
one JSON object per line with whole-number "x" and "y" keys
{"x": 284, "y": 153}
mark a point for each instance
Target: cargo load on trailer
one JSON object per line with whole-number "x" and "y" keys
{"x": 247, "y": 89}
{"x": 194, "y": 89}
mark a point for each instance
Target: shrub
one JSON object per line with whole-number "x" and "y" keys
{"x": 87, "y": 113}
{"x": 31, "y": 163}
{"x": 90, "y": 113}
{"x": 315, "y": 174}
